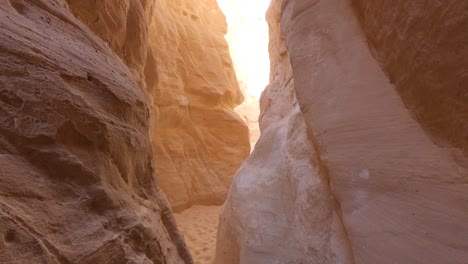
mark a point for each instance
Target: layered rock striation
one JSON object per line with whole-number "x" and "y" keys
{"x": 76, "y": 166}
{"x": 369, "y": 166}
{"x": 89, "y": 90}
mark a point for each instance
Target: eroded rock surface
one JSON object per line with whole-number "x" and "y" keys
{"x": 76, "y": 166}
{"x": 199, "y": 141}
{"x": 383, "y": 178}
{"x": 177, "y": 50}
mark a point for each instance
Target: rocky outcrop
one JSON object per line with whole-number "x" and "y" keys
{"x": 365, "y": 169}
{"x": 177, "y": 50}
{"x": 76, "y": 166}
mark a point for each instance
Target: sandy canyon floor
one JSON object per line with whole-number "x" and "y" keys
{"x": 199, "y": 225}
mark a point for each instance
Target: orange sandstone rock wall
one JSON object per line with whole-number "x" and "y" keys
{"x": 379, "y": 89}
{"x": 199, "y": 141}
{"x": 177, "y": 51}
{"x": 76, "y": 166}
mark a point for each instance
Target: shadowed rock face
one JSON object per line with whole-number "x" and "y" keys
{"x": 198, "y": 140}
{"x": 76, "y": 166}
{"x": 421, "y": 46}
{"x": 123, "y": 25}
{"x": 389, "y": 185}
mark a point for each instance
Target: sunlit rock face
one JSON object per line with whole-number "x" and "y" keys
{"x": 385, "y": 180}
{"x": 248, "y": 44}
{"x": 76, "y": 166}
{"x": 199, "y": 141}
{"x": 177, "y": 51}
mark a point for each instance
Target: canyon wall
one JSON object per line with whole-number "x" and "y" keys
{"x": 199, "y": 141}
{"x": 279, "y": 193}
{"x": 177, "y": 50}
{"x": 370, "y": 165}
{"x": 76, "y": 165}
{"x": 89, "y": 91}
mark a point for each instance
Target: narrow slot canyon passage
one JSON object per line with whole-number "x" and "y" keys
{"x": 247, "y": 37}
{"x": 233, "y": 132}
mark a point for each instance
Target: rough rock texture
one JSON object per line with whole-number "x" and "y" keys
{"x": 199, "y": 141}
{"x": 124, "y": 28}
{"x": 385, "y": 130}
{"x": 177, "y": 50}
{"x": 402, "y": 34}
{"x": 76, "y": 166}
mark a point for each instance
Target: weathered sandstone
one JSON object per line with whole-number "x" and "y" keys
{"x": 76, "y": 166}
{"x": 124, "y": 28}
{"x": 177, "y": 50}
{"x": 199, "y": 141}
{"x": 383, "y": 178}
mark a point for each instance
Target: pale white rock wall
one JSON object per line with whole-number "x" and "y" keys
{"x": 364, "y": 180}
{"x": 280, "y": 209}
{"x": 402, "y": 194}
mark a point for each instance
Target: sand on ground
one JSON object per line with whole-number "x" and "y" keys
{"x": 199, "y": 225}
